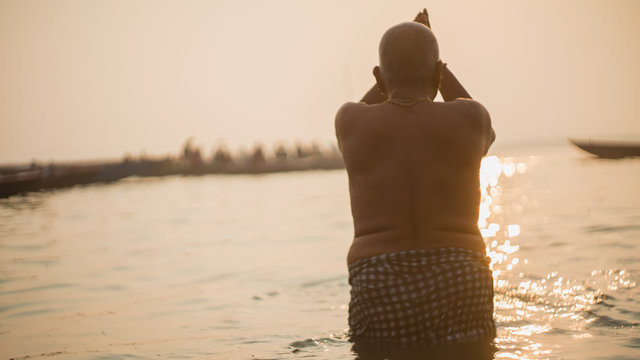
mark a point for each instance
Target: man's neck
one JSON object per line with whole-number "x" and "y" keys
{"x": 412, "y": 93}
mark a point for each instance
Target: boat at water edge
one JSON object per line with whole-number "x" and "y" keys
{"x": 608, "y": 149}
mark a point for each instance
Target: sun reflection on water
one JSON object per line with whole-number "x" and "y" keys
{"x": 529, "y": 306}
{"x": 514, "y": 305}
{"x": 491, "y": 169}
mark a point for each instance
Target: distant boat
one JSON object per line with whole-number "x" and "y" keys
{"x": 608, "y": 149}
{"x": 23, "y": 179}
{"x": 19, "y": 179}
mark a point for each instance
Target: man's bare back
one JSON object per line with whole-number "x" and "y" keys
{"x": 413, "y": 174}
{"x": 413, "y": 166}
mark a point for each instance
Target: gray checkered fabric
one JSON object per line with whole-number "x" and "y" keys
{"x": 439, "y": 296}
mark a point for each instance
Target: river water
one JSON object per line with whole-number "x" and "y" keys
{"x": 253, "y": 267}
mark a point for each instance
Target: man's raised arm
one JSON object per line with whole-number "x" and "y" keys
{"x": 450, "y": 87}
{"x": 374, "y": 96}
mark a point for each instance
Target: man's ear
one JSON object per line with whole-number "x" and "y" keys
{"x": 379, "y": 80}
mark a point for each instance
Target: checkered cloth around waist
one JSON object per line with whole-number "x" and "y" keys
{"x": 438, "y": 296}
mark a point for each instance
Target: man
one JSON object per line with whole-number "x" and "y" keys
{"x": 417, "y": 265}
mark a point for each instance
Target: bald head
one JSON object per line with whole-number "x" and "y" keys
{"x": 409, "y": 56}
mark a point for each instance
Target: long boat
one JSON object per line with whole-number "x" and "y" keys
{"x": 23, "y": 179}
{"x": 19, "y": 180}
{"x": 608, "y": 149}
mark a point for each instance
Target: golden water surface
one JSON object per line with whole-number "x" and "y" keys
{"x": 245, "y": 267}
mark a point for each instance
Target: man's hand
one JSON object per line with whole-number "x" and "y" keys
{"x": 423, "y": 18}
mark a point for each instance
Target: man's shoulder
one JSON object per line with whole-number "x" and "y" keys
{"x": 469, "y": 107}
{"x": 349, "y": 109}
{"x": 470, "y": 112}
{"x": 476, "y": 116}
{"x": 348, "y": 115}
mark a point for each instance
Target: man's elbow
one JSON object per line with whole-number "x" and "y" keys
{"x": 490, "y": 140}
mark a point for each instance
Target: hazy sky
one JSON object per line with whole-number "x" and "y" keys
{"x": 82, "y": 79}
